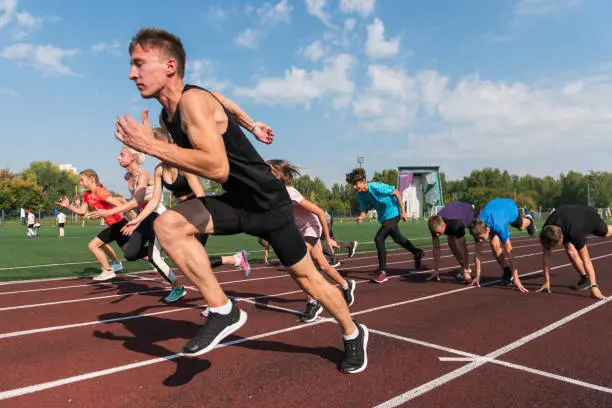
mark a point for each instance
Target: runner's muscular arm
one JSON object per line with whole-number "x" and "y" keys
{"x": 208, "y": 157}
{"x": 155, "y": 199}
{"x": 241, "y": 116}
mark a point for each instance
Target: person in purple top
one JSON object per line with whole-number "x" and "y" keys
{"x": 451, "y": 221}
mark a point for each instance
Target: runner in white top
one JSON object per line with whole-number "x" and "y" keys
{"x": 310, "y": 221}
{"x": 30, "y": 223}
{"x": 61, "y": 221}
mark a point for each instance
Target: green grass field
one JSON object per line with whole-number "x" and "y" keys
{"x": 49, "y": 256}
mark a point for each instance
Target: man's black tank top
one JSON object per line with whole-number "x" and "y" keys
{"x": 180, "y": 186}
{"x": 250, "y": 184}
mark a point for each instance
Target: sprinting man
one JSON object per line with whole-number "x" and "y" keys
{"x": 61, "y": 222}
{"x": 568, "y": 226}
{"x": 492, "y": 225}
{"x": 329, "y": 252}
{"x": 387, "y": 202}
{"x": 310, "y": 220}
{"x": 96, "y": 197}
{"x": 209, "y": 142}
{"x": 452, "y": 221}
{"x": 184, "y": 186}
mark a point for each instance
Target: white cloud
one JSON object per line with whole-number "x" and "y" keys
{"x": 113, "y": 47}
{"x": 248, "y": 38}
{"x": 480, "y": 118}
{"x": 315, "y": 51}
{"x": 362, "y": 7}
{"x": 268, "y": 15}
{"x": 538, "y": 7}
{"x": 7, "y": 9}
{"x": 8, "y": 92}
{"x": 349, "y": 25}
{"x": 47, "y": 59}
{"x": 203, "y": 73}
{"x": 316, "y": 8}
{"x": 216, "y": 14}
{"x": 376, "y": 45}
{"x": 301, "y": 87}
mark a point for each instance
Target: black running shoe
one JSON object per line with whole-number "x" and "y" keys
{"x": 418, "y": 257}
{"x": 355, "y": 352}
{"x": 313, "y": 310}
{"x": 334, "y": 263}
{"x": 531, "y": 228}
{"x": 352, "y": 248}
{"x": 215, "y": 328}
{"x": 582, "y": 284}
{"x": 349, "y": 293}
{"x": 506, "y": 279}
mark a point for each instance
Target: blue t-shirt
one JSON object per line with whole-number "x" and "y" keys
{"x": 498, "y": 214}
{"x": 380, "y": 197}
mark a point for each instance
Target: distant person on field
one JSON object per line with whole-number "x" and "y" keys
{"x": 568, "y": 226}
{"x": 60, "y": 220}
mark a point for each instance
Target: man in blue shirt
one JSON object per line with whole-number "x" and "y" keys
{"x": 492, "y": 225}
{"x": 387, "y": 202}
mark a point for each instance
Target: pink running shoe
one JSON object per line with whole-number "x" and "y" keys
{"x": 381, "y": 277}
{"x": 243, "y": 256}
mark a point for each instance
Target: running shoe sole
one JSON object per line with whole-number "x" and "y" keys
{"x": 224, "y": 333}
{"x": 366, "y": 337}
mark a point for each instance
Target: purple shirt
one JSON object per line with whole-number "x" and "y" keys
{"x": 458, "y": 211}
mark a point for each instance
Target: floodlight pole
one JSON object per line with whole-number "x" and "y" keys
{"x": 360, "y": 160}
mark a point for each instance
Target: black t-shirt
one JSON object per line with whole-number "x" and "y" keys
{"x": 576, "y": 221}
{"x": 454, "y": 228}
{"x": 251, "y": 184}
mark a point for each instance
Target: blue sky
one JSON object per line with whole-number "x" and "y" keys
{"x": 523, "y": 85}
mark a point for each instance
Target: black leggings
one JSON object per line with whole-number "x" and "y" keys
{"x": 215, "y": 261}
{"x": 387, "y": 228}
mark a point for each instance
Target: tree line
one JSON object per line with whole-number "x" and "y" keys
{"x": 42, "y": 183}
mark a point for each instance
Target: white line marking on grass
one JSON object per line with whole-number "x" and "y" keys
{"x": 437, "y": 382}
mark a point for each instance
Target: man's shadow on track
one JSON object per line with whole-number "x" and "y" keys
{"x": 147, "y": 331}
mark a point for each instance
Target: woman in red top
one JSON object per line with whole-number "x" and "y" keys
{"x": 98, "y": 198}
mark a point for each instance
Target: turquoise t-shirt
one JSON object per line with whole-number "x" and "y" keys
{"x": 498, "y": 214}
{"x": 380, "y": 197}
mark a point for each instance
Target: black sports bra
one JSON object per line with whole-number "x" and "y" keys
{"x": 180, "y": 186}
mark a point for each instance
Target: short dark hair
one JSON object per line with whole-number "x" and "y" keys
{"x": 356, "y": 175}
{"x": 550, "y": 236}
{"x": 169, "y": 44}
{"x": 477, "y": 227}
{"x": 434, "y": 222}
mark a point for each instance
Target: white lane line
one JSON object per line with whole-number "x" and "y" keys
{"x": 522, "y": 238}
{"x": 3, "y": 309}
{"x": 440, "y": 381}
{"x": 470, "y": 357}
{"x": 70, "y": 380}
{"x": 69, "y": 326}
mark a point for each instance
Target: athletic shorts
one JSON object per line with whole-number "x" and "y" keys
{"x": 312, "y": 241}
{"x": 61, "y": 225}
{"x": 276, "y": 225}
{"x": 113, "y": 233}
{"x": 602, "y": 228}
{"x": 30, "y": 225}
{"x": 518, "y": 223}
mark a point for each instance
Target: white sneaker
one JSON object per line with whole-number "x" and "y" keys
{"x": 117, "y": 266}
{"x": 105, "y": 275}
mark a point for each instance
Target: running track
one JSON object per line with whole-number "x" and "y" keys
{"x": 432, "y": 344}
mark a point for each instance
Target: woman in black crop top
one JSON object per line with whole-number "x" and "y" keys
{"x": 184, "y": 186}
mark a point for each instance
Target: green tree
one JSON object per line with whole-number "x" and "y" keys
{"x": 387, "y": 176}
{"x": 53, "y": 181}
{"x": 21, "y": 191}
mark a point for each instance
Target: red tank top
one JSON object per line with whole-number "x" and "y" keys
{"x": 97, "y": 200}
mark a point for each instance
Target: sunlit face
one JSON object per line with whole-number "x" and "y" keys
{"x": 360, "y": 186}
{"x": 87, "y": 183}
{"x": 484, "y": 236}
{"x": 150, "y": 70}
{"x": 125, "y": 158}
